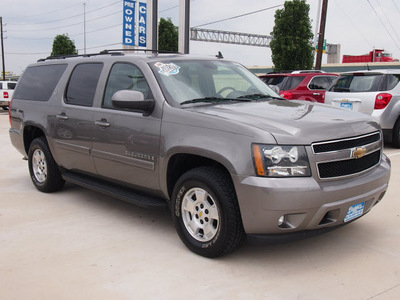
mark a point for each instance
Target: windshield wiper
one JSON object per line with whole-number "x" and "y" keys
{"x": 214, "y": 100}
{"x": 260, "y": 96}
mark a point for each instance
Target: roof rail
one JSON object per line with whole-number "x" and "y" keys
{"x": 104, "y": 52}
{"x": 307, "y": 71}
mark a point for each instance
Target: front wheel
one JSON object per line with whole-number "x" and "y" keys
{"x": 206, "y": 213}
{"x": 44, "y": 171}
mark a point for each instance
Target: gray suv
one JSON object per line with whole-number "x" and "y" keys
{"x": 202, "y": 136}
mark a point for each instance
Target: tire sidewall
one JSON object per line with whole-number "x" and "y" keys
{"x": 53, "y": 181}
{"x": 210, "y": 248}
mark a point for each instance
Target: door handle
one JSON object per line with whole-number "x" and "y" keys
{"x": 62, "y": 117}
{"x": 102, "y": 123}
{"x": 316, "y": 94}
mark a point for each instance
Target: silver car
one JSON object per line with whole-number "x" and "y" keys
{"x": 376, "y": 93}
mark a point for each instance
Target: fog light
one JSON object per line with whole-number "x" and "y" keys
{"x": 281, "y": 220}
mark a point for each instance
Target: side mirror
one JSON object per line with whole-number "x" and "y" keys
{"x": 134, "y": 101}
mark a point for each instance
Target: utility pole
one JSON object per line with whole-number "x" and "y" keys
{"x": 321, "y": 36}
{"x": 2, "y": 49}
{"x": 84, "y": 27}
{"x": 184, "y": 26}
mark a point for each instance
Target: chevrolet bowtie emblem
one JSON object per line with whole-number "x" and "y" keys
{"x": 359, "y": 152}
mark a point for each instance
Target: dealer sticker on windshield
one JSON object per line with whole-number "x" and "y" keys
{"x": 355, "y": 211}
{"x": 167, "y": 69}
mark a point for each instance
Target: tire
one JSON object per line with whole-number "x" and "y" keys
{"x": 396, "y": 134}
{"x": 44, "y": 171}
{"x": 206, "y": 213}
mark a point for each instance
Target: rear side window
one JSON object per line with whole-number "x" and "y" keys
{"x": 321, "y": 82}
{"x": 391, "y": 81}
{"x": 38, "y": 82}
{"x": 83, "y": 83}
{"x": 293, "y": 82}
{"x": 274, "y": 80}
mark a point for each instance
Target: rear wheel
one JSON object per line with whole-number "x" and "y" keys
{"x": 206, "y": 213}
{"x": 44, "y": 171}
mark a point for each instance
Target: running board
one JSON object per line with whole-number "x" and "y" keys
{"x": 115, "y": 190}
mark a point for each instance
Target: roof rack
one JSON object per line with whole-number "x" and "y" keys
{"x": 105, "y": 52}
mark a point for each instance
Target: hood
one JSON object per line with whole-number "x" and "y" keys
{"x": 295, "y": 122}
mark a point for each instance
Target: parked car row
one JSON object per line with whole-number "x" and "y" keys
{"x": 376, "y": 93}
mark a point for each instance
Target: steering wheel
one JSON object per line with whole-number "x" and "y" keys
{"x": 225, "y": 89}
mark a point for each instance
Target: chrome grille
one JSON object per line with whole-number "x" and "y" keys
{"x": 346, "y": 157}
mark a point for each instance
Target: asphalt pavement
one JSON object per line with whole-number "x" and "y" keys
{"x": 79, "y": 244}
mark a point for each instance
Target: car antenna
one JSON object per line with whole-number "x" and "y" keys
{"x": 219, "y": 55}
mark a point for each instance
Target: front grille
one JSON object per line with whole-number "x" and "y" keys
{"x": 346, "y": 143}
{"x": 349, "y": 156}
{"x": 348, "y": 167}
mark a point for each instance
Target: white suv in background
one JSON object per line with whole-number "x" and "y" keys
{"x": 6, "y": 92}
{"x": 376, "y": 93}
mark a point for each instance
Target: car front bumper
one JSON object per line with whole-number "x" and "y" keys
{"x": 284, "y": 205}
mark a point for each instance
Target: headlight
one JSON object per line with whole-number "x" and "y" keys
{"x": 280, "y": 161}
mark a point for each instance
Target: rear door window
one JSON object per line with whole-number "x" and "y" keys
{"x": 11, "y": 85}
{"x": 83, "y": 84}
{"x": 38, "y": 82}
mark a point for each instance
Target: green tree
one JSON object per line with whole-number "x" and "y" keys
{"x": 167, "y": 36}
{"x": 292, "y": 35}
{"x": 63, "y": 45}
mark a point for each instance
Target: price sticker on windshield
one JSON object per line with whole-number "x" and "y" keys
{"x": 167, "y": 69}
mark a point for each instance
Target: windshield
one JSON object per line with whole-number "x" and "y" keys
{"x": 190, "y": 81}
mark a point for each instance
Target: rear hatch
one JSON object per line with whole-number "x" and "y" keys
{"x": 358, "y": 91}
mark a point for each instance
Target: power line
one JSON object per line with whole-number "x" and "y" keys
{"x": 354, "y": 25}
{"x": 161, "y": 11}
{"x": 72, "y": 35}
{"x": 239, "y": 16}
{"x": 67, "y": 18}
{"x": 390, "y": 23}
{"x": 383, "y": 24}
{"x": 43, "y": 29}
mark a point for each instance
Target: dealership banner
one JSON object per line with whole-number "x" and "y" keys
{"x": 135, "y": 23}
{"x": 142, "y": 24}
{"x": 128, "y": 37}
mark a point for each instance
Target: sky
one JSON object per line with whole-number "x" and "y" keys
{"x": 30, "y": 26}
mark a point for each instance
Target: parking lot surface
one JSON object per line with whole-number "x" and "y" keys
{"x": 79, "y": 244}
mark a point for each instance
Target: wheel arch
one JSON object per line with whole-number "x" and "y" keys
{"x": 180, "y": 163}
{"x": 31, "y": 133}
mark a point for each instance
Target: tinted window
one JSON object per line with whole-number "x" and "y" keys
{"x": 320, "y": 82}
{"x": 83, "y": 83}
{"x": 357, "y": 83}
{"x": 391, "y": 81}
{"x": 125, "y": 76}
{"x": 293, "y": 82}
{"x": 274, "y": 80}
{"x": 38, "y": 83}
{"x": 11, "y": 85}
